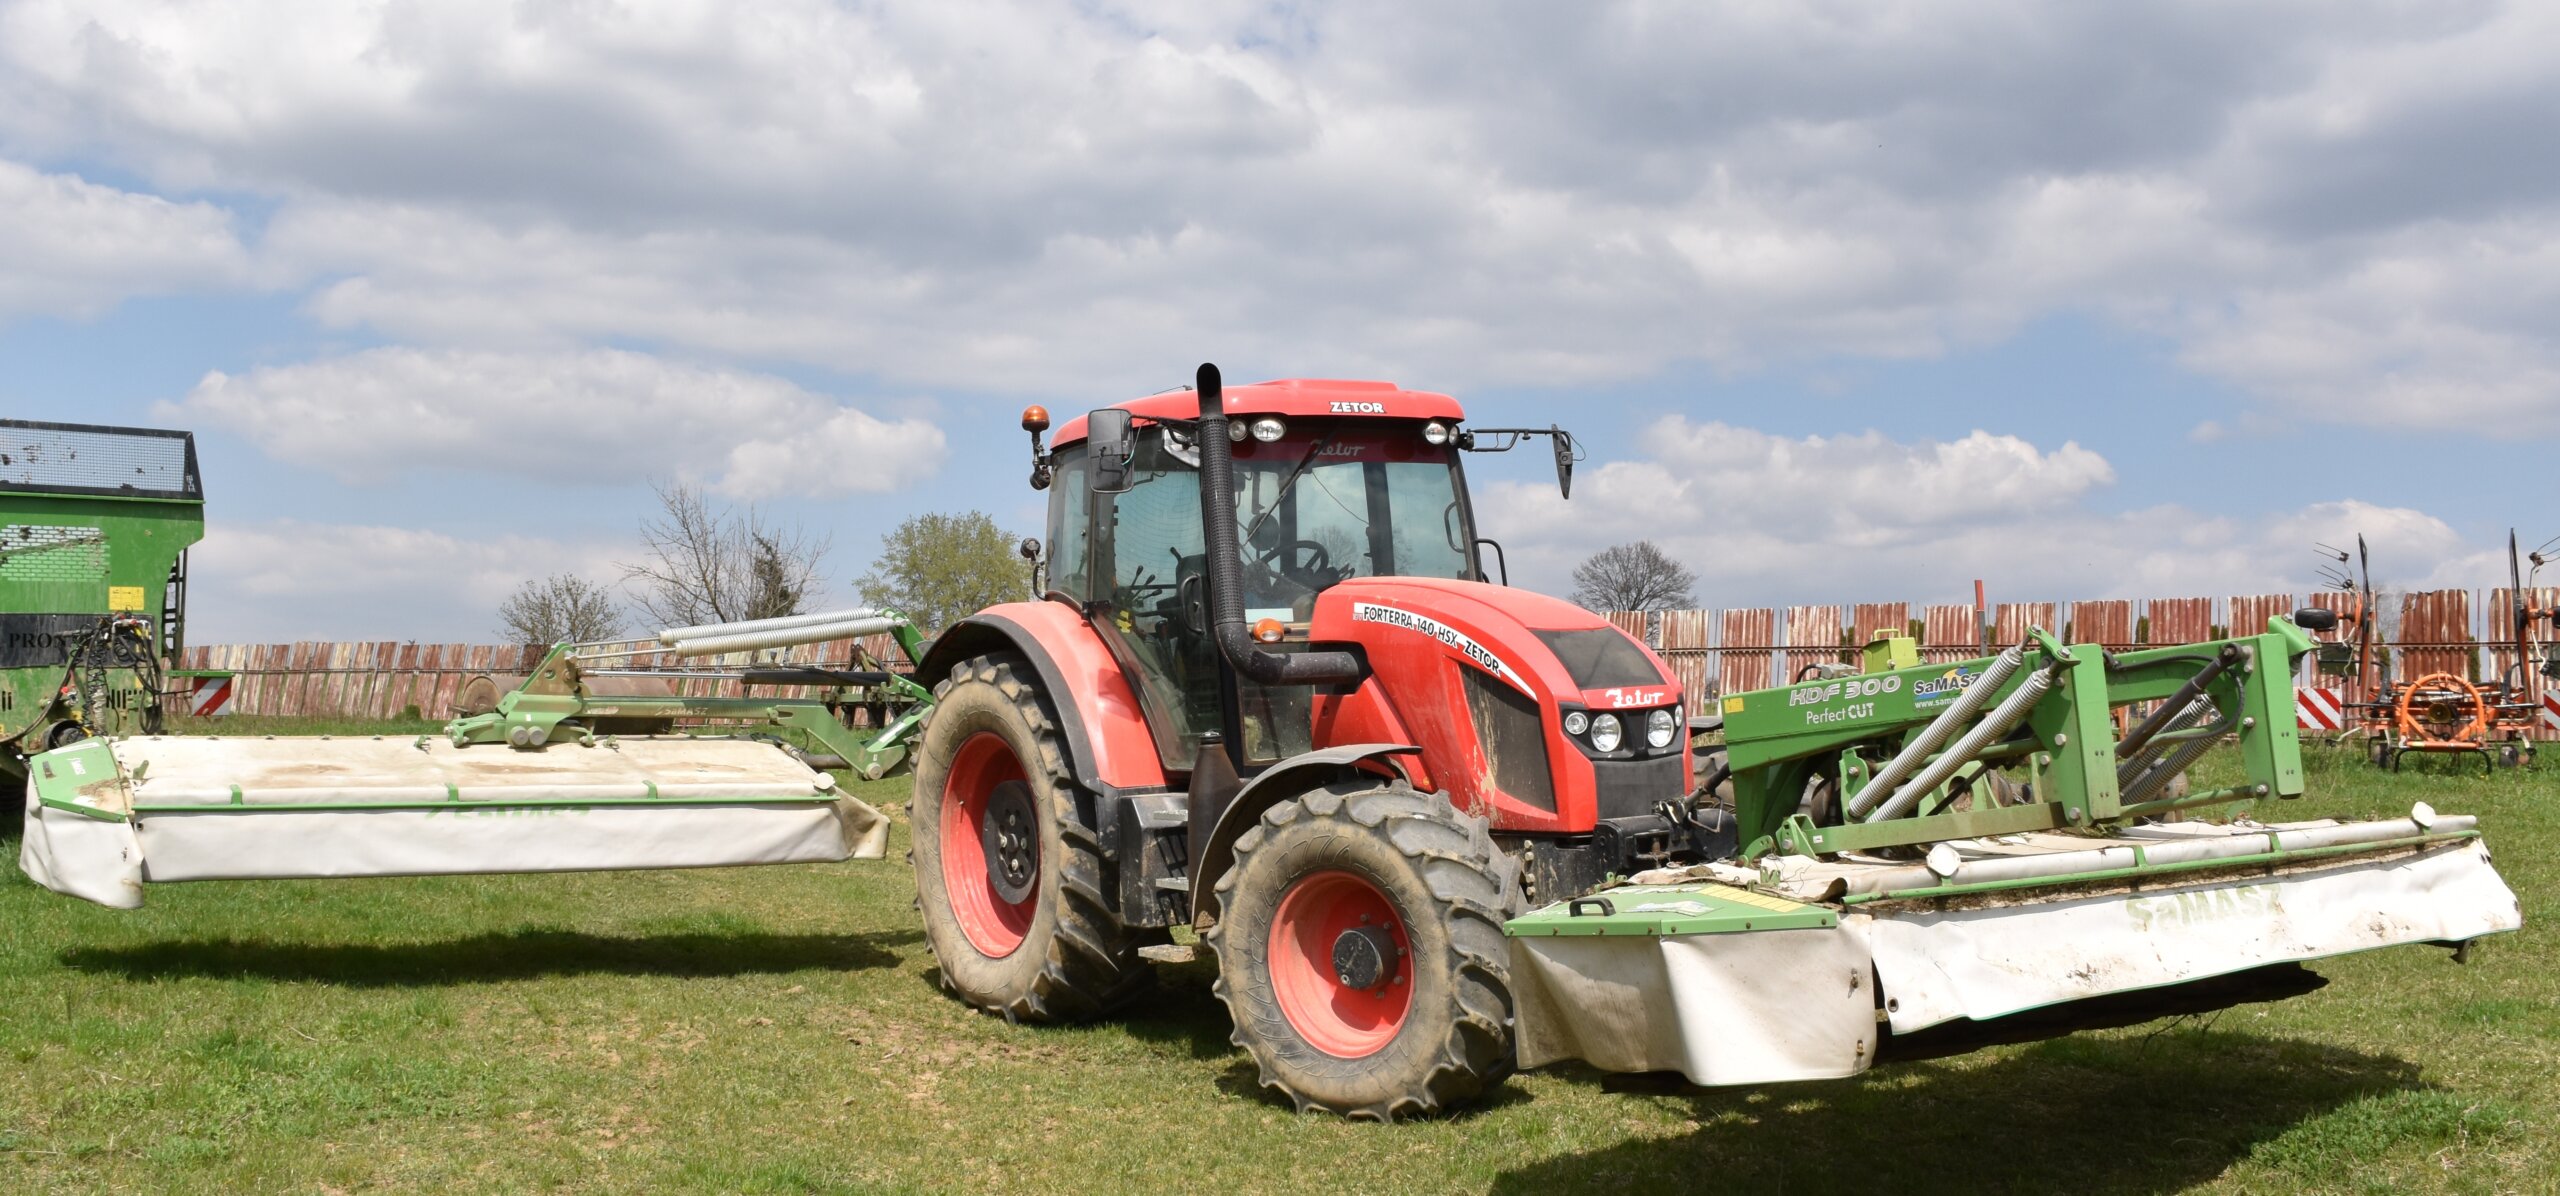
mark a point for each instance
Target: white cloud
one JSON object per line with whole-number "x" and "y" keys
{"x": 2336, "y": 206}
{"x": 1770, "y": 520}
{"x": 72, "y": 247}
{"x": 600, "y": 416}
{"x": 295, "y": 580}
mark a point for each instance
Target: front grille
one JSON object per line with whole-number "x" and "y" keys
{"x": 1514, "y": 738}
{"x": 1627, "y": 788}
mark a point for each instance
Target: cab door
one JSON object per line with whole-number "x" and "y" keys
{"x": 1144, "y": 583}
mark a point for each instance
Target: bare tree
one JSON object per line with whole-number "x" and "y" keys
{"x": 710, "y": 565}
{"x": 1634, "y": 576}
{"x": 558, "y": 609}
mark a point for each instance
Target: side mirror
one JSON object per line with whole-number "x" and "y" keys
{"x": 1111, "y": 440}
{"x": 1564, "y": 461}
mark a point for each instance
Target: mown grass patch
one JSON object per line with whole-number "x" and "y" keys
{"x": 780, "y": 1030}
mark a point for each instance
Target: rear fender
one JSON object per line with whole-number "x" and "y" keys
{"x": 1278, "y": 783}
{"x": 1108, "y": 744}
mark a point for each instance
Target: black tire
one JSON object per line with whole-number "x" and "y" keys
{"x": 1074, "y": 959}
{"x": 1448, "y": 886}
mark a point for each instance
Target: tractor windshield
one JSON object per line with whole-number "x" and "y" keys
{"x": 1348, "y": 502}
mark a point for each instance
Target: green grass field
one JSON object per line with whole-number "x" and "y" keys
{"x": 779, "y": 1030}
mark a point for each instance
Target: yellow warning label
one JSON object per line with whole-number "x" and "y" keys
{"x": 124, "y": 597}
{"x": 1733, "y": 705}
{"x": 1757, "y": 899}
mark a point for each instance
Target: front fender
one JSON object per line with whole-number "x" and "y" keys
{"x": 1273, "y": 785}
{"x": 1107, "y": 738}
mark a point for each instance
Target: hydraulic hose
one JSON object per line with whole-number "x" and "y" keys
{"x": 1226, "y": 563}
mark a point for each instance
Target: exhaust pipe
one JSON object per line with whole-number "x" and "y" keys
{"x": 1226, "y": 563}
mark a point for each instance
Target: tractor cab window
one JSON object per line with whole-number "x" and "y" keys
{"x": 1149, "y": 568}
{"x": 1323, "y": 504}
{"x": 1070, "y": 524}
{"x": 1326, "y": 505}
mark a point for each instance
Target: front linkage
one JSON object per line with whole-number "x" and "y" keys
{"x": 2028, "y": 740}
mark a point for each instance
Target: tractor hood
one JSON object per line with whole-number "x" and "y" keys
{"x": 1542, "y": 646}
{"x": 1504, "y": 690}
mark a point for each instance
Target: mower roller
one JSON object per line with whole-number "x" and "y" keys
{"x": 1433, "y": 828}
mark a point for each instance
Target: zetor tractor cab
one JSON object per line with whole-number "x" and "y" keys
{"x": 1272, "y": 693}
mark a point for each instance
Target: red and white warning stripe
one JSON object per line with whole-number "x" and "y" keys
{"x": 211, "y": 696}
{"x": 2318, "y": 710}
{"x": 2551, "y": 711}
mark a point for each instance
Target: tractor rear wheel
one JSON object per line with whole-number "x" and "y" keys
{"x": 1360, "y": 952}
{"x": 1009, "y": 880}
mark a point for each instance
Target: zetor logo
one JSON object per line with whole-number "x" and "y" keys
{"x": 1343, "y": 408}
{"x": 1620, "y": 699}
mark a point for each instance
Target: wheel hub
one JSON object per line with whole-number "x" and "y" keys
{"x": 1363, "y": 956}
{"x": 1011, "y": 835}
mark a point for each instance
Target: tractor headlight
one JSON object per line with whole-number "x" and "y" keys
{"x": 1268, "y": 429}
{"x": 1606, "y": 733}
{"x": 1236, "y": 431}
{"x": 1576, "y": 722}
{"x": 1435, "y": 432}
{"x": 1660, "y": 727}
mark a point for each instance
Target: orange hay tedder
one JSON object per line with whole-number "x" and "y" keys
{"x": 2454, "y": 706}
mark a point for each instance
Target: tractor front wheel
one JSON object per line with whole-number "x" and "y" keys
{"x": 1008, "y": 878}
{"x": 1360, "y": 952}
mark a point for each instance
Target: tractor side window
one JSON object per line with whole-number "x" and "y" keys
{"x": 1427, "y": 525}
{"x": 1071, "y": 523}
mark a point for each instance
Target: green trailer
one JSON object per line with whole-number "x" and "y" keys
{"x": 95, "y": 523}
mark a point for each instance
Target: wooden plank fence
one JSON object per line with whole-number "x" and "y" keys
{"x": 384, "y": 680}
{"x": 1711, "y": 652}
{"x": 1714, "y": 652}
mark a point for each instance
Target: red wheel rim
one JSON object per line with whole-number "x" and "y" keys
{"x": 992, "y": 925}
{"x": 1333, "y": 1016}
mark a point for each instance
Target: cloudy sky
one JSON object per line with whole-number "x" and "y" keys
{"x": 1848, "y": 301}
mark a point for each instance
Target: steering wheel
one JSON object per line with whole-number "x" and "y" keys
{"x": 1318, "y": 557}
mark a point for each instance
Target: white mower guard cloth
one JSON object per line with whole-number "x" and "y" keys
{"x": 1981, "y": 963}
{"x": 1778, "y": 1005}
{"x": 81, "y": 856}
{"x": 1718, "y": 1008}
{"x": 185, "y": 808}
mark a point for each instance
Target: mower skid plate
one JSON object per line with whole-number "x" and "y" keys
{"x": 1755, "y": 985}
{"x": 106, "y": 816}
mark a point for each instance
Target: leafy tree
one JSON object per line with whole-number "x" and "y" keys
{"x": 563, "y": 607}
{"x": 712, "y": 565}
{"x": 938, "y": 568}
{"x": 1634, "y": 576}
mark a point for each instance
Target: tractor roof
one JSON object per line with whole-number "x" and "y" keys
{"x": 1294, "y": 397}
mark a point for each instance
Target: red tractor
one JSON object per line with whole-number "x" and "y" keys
{"x": 1273, "y": 693}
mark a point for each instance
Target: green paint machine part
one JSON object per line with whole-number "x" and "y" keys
{"x": 1671, "y": 909}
